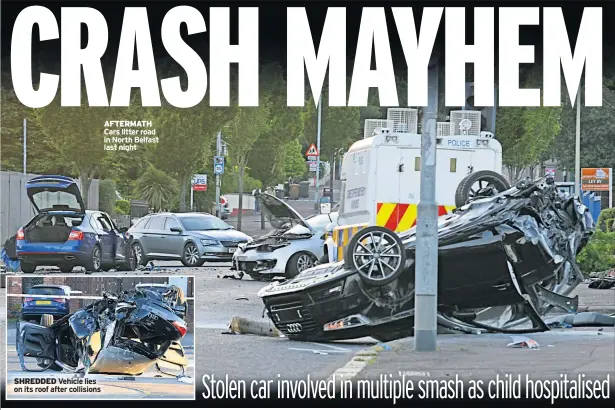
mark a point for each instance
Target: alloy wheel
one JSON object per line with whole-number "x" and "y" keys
{"x": 191, "y": 255}
{"x": 305, "y": 262}
{"x": 138, "y": 254}
{"x": 377, "y": 255}
{"x": 96, "y": 258}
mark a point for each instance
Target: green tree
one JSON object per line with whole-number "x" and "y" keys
{"x": 74, "y": 136}
{"x": 597, "y": 132}
{"x": 340, "y": 127}
{"x": 294, "y": 162}
{"x": 244, "y": 130}
{"x": 266, "y": 159}
{"x": 185, "y": 137}
{"x": 157, "y": 188}
{"x": 526, "y": 133}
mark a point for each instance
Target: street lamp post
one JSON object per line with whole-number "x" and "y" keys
{"x": 577, "y": 148}
{"x": 426, "y": 277}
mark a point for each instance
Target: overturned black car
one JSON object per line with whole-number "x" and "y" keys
{"x": 119, "y": 334}
{"x": 504, "y": 262}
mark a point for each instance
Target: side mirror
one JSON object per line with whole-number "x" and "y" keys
{"x": 176, "y": 229}
{"x": 231, "y": 226}
{"x": 123, "y": 229}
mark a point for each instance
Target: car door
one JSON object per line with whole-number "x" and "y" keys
{"x": 104, "y": 234}
{"x": 172, "y": 243}
{"x": 116, "y": 238}
{"x": 152, "y": 239}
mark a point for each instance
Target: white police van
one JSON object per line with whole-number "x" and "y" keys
{"x": 381, "y": 173}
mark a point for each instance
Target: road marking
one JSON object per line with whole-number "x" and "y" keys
{"x": 337, "y": 348}
{"x": 351, "y": 369}
{"x": 315, "y": 350}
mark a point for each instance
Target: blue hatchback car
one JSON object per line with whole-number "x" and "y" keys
{"x": 65, "y": 234}
{"x": 54, "y": 303}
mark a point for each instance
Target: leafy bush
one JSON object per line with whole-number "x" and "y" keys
{"x": 599, "y": 254}
{"x": 606, "y": 220}
{"x": 107, "y": 196}
{"x": 122, "y": 207}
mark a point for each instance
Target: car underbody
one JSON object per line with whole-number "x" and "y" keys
{"x": 504, "y": 262}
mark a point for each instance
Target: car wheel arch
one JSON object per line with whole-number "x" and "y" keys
{"x": 299, "y": 252}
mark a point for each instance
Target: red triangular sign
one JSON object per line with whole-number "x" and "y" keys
{"x": 312, "y": 151}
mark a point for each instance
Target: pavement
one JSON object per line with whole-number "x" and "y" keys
{"x": 562, "y": 356}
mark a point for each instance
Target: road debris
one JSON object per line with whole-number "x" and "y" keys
{"x": 585, "y": 319}
{"x": 523, "y": 342}
{"x": 241, "y": 325}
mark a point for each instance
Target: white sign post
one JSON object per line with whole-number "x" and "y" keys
{"x": 199, "y": 183}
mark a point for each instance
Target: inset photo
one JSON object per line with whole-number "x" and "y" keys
{"x": 100, "y": 337}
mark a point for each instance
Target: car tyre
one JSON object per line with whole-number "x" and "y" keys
{"x": 66, "y": 268}
{"x": 27, "y": 267}
{"x": 191, "y": 257}
{"x": 363, "y": 257}
{"x": 95, "y": 262}
{"x": 131, "y": 263}
{"x": 464, "y": 193}
{"x": 298, "y": 263}
{"x": 45, "y": 364}
{"x": 140, "y": 258}
{"x": 324, "y": 258}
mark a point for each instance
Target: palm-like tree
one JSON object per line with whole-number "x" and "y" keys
{"x": 156, "y": 187}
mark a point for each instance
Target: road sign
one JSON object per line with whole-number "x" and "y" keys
{"x": 596, "y": 179}
{"x": 312, "y": 151}
{"x": 219, "y": 169}
{"x": 550, "y": 171}
{"x": 312, "y": 158}
{"x": 219, "y": 160}
{"x": 199, "y": 182}
{"x": 313, "y": 166}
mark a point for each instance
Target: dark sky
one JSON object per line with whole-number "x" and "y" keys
{"x": 273, "y": 25}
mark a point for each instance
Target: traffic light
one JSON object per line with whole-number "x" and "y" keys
{"x": 488, "y": 113}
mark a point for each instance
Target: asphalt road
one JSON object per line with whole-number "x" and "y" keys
{"x": 219, "y": 354}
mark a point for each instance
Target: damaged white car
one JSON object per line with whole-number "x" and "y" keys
{"x": 295, "y": 244}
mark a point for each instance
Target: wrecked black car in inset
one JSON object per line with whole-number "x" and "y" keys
{"x": 504, "y": 262}
{"x": 122, "y": 335}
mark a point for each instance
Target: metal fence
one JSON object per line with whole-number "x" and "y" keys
{"x": 15, "y": 207}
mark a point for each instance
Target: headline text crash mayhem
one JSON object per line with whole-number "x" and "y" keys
{"x": 373, "y": 38}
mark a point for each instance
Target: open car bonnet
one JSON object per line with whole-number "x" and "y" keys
{"x": 279, "y": 213}
{"x": 54, "y": 193}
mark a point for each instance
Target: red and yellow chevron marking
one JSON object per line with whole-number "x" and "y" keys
{"x": 401, "y": 217}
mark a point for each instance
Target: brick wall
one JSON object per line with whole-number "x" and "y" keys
{"x": 88, "y": 286}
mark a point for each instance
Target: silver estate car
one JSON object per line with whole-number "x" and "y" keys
{"x": 192, "y": 238}
{"x": 295, "y": 245}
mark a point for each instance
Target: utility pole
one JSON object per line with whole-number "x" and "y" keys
{"x": 426, "y": 276}
{"x": 218, "y": 153}
{"x": 577, "y": 148}
{"x": 318, "y": 148}
{"x": 332, "y": 171}
{"x": 25, "y": 150}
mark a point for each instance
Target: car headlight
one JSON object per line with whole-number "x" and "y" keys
{"x": 208, "y": 242}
